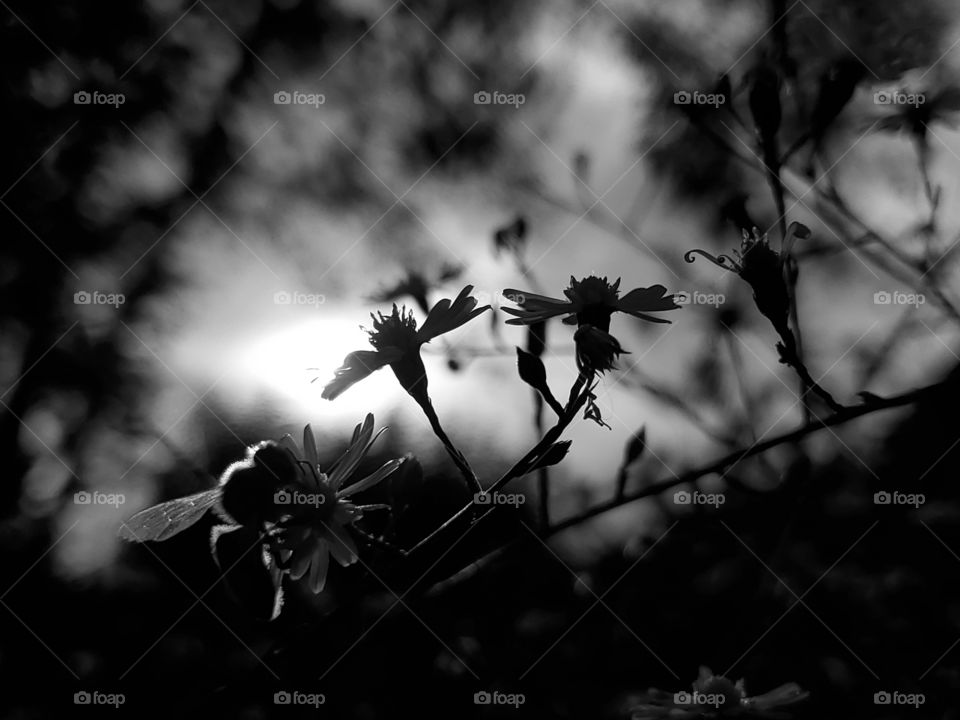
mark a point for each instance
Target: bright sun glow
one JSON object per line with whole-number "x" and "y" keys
{"x": 284, "y": 362}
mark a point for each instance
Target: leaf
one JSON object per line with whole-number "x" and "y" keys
{"x": 557, "y": 452}
{"x": 635, "y": 447}
{"x": 531, "y": 370}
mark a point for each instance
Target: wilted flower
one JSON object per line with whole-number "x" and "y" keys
{"x": 317, "y": 508}
{"x": 714, "y": 696}
{"x": 416, "y": 285}
{"x": 590, "y": 301}
{"x": 397, "y": 341}
{"x": 510, "y": 237}
{"x": 763, "y": 269}
{"x": 597, "y": 351}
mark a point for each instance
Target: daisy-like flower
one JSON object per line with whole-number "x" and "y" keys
{"x": 714, "y": 696}
{"x": 763, "y": 269}
{"x": 317, "y": 509}
{"x": 591, "y": 301}
{"x": 590, "y": 304}
{"x": 397, "y": 342}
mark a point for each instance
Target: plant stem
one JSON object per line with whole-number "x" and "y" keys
{"x": 790, "y": 356}
{"x": 579, "y": 394}
{"x": 458, "y": 458}
{"x": 732, "y": 459}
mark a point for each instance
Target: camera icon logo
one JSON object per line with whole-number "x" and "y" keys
{"x": 282, "y": 298}
{"x": 681, "y": 298}
{"x": 882, "y": 498}
{"x": 282, "y": 497}
{"x": 482, "y": 698}
{"x": 281, "y": 98}
{"x": 682, "y": 97}
{"x": 482, "y": 98}
{"x": 282, "y": 698}
{"x": 82, "y": 97}
{"x": 82, "y": 298}
{"x": 482, "y": 498}
{"x": 882, "y": 97}
{"x": 882, "y": 298}
{"x": 882, "y": 698}
{"x": 82, "y": 698}
{"x": 82, "y": 498}
{"x": 682, "y": 698}
{"x": 681, "y": 497}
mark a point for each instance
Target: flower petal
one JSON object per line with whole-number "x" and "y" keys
{"x": 446, "y": 315}
{"x": 370, "y": 480}
{"x": 363, "y": 438}
{"x": 342, "y": 546}
{"x": 651, "y": 299}
{"x": 786, "y": 694}
{"x": 538, "y": 303}
{"x": 356, "y": 366}
{"x": 288, "y": 443}
{"x": 310, "y": 447}
{"x": 650, "y": 318}
{"x": 300, "y": 562}
{"x": 319, "y": 564}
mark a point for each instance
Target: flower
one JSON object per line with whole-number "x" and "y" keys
{"x": 317, "y": 508}
{"x": 590, "y": 301}
{"x": 397, "y": 342}
{"x": 716, "y": 696}
{"x": 596, "y": 350}
{"x": 763, "y": 269}
{"x": 416, "y": 285}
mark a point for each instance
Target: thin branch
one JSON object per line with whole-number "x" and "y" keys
{"x": 875, "y": 404}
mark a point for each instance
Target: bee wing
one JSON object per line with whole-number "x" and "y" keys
{"x": 165, "y": 520}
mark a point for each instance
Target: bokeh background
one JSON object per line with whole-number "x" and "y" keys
{"x": 250, "y": 239}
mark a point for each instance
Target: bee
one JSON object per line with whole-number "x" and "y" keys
{"x": 244, "y": 496}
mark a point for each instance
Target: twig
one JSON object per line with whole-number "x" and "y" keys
{"x": 458, "y": 458}
{"x": 732, "y": 459}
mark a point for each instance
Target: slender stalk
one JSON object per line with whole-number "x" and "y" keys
{"x": 579, "y": 394}
{"x": 458, "y": 458}
{"x": 732, "y": 459}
